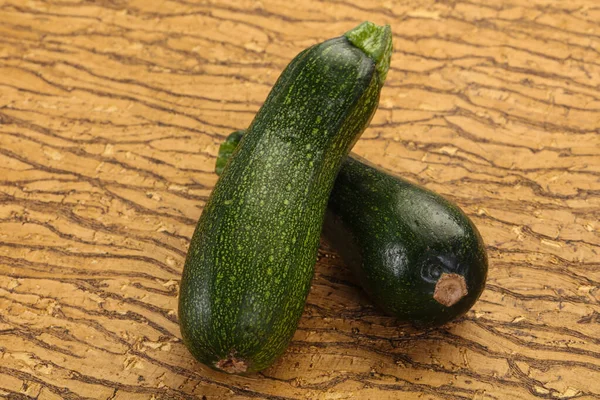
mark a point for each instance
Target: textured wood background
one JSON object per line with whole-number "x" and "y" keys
{"x": 111, "y": 113}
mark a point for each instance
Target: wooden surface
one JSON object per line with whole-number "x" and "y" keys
{"x": 111, "y": 113}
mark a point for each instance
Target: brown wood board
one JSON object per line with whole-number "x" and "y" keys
{"x": 111, "y": 113}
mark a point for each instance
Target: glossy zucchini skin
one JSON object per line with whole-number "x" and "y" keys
{"x": 252, "y": 255}
{"x": 417, "y": 255}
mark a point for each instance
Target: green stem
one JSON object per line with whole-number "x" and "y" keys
{"x": 376, "y": 42}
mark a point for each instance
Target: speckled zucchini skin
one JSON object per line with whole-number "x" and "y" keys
{"x": 400, "y": 238}
{"x": 252, "y": 255}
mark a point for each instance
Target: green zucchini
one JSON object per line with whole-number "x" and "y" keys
{"x": 417, "y": 255}
{"x": 252, "y": 255}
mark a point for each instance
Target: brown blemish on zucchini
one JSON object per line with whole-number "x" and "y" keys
{"x": 232, "y": 364}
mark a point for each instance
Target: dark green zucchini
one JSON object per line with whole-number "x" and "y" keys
{"x": 418, "y": 256}
{"x": 252, "y": 255}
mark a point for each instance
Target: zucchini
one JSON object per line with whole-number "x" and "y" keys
{"x": 252, "y": 255}
{"x": 417, "y": 255}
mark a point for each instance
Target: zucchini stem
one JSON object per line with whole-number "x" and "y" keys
{"x": 376, "y": 42}
{"x": 449, "y": 289}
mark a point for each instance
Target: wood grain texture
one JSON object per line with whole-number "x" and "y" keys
{"x": 111, "y": 113}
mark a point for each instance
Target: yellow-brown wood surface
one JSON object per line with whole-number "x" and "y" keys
{"x": 111, "y": 113}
